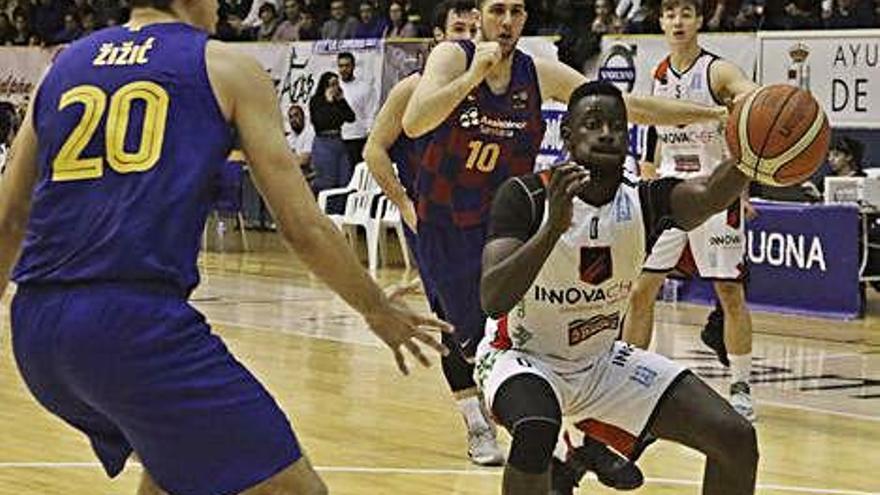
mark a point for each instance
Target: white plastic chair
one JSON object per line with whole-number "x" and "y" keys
{"x": 391, "y": 219}
{"x": 360, "y": 181}
{"x": 359, "y": 213}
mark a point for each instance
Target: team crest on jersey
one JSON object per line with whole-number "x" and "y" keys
{"x": 470, "y": 117}
{"x": 581, "y": 330}
{"x": 596, "y": 266}
{"x": 519, "y": 100}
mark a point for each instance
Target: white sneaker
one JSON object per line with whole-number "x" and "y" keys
{"x": 483, "y": 447}
{"x": 741, "y": 400}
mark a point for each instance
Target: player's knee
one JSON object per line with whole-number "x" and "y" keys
{"x": 740, "y": 440}
{"x": 527, "y": 406}
{"x": 534, "y": 439}
{"x": 731, "y": 294}
{"x": 645, "y": 290}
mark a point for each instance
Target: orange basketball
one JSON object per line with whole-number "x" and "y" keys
{"x": 779, "y": 134}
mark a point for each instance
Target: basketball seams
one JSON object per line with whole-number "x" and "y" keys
{"x": 792, "y": 164}
{"x": 781, "y": 108}
{"x": 803, "y": 143}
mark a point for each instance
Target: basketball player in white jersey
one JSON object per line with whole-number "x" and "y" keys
{"x": 718, "y": 246}
{"x": 562, "y": 255}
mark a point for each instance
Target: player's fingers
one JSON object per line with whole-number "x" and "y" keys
{"x": 431, "y": 342}
{"x": 416, "y": 351}
{"x": 395, "y": 291}
{"x": 434, "y": 324}
{"x": 400, "y": 360}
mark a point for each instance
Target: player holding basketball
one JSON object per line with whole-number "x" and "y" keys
{"x": 481, "y": 104}
{"x": 109, "y": 185}
{"x": 718, "y": 247}
{"x": 565, "y": 246}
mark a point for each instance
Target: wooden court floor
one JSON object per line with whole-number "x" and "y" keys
{"x": 371, "y": 431}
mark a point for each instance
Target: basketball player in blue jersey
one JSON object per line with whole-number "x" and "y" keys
{"x": 481, "y": 106}
{"x": 109, "y": 185}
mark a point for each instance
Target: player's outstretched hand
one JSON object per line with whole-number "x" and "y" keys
{"x": 566, "y": 181}
{"x": 399, "y": 326}
{"x": 486, "y": 56}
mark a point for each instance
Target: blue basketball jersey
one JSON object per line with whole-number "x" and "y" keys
{"x": 406, "y": 153}
{"x": 131, "y": 144}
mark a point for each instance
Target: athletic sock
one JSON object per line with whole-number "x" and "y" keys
{"x": 741, "y": 367}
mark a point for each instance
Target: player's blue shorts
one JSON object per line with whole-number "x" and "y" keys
{"x": 430, "y": 292}
{"x": 136, "y": 367}
{"x": 451, "y": 258}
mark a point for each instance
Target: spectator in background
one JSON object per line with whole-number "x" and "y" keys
{"x": 21, "y": 32}
{"x": 848, "y": 14}
{"x": 48, "y": 20}
{"x": 639, "y": 16}
{"x": 253, "y": 19}
{"x": 238, "y": 8}
{"x": 308, "y": 25}
{"x": 718, "y": 14}
{"x": 288, "y": 30}
{"x": 362, "y": 98}
{"x": 399, "y": 25}
{"x": 115, "y": 16}
{"x": 268, "y": 22}
{"x": 6, "y": 29}
{"x": 370, "y": 25}
{"x": 844, "y": 160}
{"x": 606, "y": 20}
{"x": 72, "y": 29}
{"x": 300, "y": 139}
{"x": 328, "y": 111}
{"x": 792, "y": 14}
{"x": 89, "y": 20}
{"x": 10, "y": 6}
{"x": 750, "y": 16}
{"x": 340, "y": 25}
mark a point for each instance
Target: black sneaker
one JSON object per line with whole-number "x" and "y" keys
{"x": 563, "y": 479}
{"x": 713, "y": 335}
{"x": 612, "y": 470}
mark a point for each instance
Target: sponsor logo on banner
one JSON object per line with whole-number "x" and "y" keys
{"x": 581, "y": 330}
{"x": 801, "y": 252}
{"x": 840, "y": 68}
{"x": 619, "y": 67}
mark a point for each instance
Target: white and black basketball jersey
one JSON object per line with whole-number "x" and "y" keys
{"x": 693, "y": 150}
{"x": 575, "y": 306}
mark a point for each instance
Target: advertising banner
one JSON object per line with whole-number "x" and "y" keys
{"x": 802, "y": 259}
{"x": 840, "y": 68}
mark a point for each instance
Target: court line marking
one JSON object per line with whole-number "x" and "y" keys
{"x": 444, "y": 472}
{"x": 378, "y": 344}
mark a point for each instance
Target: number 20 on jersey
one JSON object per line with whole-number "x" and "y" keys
{"x": 70, "y": 165}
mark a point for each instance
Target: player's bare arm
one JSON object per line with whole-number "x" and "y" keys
{"x": 693, "y": 201}
{"x": 386, "y": 129}
{"x": 16, "y": 189}
{"x": 247, "y": 98}
{"x": 558, "y": 81}
{"x": 729, "y": 83}
{"x": 446, "y": 82}
{"x": 511, "y": 265}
